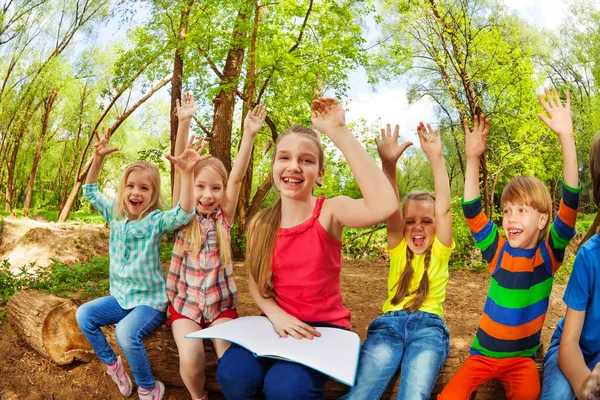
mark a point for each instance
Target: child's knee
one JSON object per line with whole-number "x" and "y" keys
{"x": 236, "y": 376}
{"x": 127, "y": 337}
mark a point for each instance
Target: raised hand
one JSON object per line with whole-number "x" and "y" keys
{"x": 189, "y": 159}
{"x": 255, "y": 120}
{"x": 431, "y": 141}
{"x": 101, "y": 147}
{"x": 187, "y": 108}
{"x": 286, "y": 324}
{"x": 327, "y": 115}
{"x": 388, "y": 148}
{"x": 475, "y": 140}
{"x": 560, "y": 120}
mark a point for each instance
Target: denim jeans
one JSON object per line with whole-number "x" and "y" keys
{"x": 418, "y": 343}
{"x": 555, "y": 385}
{"x": 242, "y": 376}
{"x": 132, "y": 325}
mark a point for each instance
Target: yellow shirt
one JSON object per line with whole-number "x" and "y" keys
{"x": 438, "y": 276}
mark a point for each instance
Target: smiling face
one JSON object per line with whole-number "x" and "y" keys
{"x": 523, "y": 225}
{"x": 296, "y": 167}
{"x": 209, "y": 190}
{"x": 139, "y": 192}
{"x": 419, "y": 224}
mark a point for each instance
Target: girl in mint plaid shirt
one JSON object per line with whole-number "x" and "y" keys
{"x": 137, "y": 301}
{"x": 200, "y": 282}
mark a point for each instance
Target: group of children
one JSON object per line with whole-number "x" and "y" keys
{"x": 294, "y": 261}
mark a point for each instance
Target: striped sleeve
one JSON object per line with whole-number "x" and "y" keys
{"x": 562, "y": 229}
{"x": 98, "y": 200}
{"x": 483, "y": 230}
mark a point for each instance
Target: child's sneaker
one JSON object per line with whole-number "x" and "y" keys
{"x": 119, "y": 376}
{"x": 156, "y": 393}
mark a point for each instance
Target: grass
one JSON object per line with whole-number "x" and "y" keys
{"x": 52, "y": 215}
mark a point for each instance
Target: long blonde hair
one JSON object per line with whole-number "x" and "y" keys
{"x": 262, "y": 230}
{"x": 403, "y": 283}
{"x": 194, "y": 231}
{"x": 156, "y": 200}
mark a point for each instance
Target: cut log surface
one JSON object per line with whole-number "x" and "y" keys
{"x": 47, "y": 323}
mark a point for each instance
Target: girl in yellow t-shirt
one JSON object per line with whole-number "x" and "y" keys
{"x": 411, "y": 334}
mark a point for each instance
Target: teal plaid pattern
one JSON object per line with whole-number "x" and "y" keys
{"x": 136, "y": 276}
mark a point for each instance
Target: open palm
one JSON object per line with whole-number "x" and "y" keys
{"x": 388, "y": 148}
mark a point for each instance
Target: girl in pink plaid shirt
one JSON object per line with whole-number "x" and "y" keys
{"x": 200, "y": 281}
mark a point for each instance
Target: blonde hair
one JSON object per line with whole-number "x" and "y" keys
{"x": 403, "y": 283}
{"x": 530, "y": 191}
{"x": 156, "y": 200}
{"x": 195, "y": 232}
{"x": 262, "y": 230}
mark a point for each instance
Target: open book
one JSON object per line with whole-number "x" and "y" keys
{"x": 335, "y": 353}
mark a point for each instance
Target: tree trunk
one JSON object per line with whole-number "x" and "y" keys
{"x": 82, "y": 173}
{"x": 177, "y": 83}
{"x": 47, "y": 324}
{"x": 38, "y": 151}
{"x": 220, "y": 138}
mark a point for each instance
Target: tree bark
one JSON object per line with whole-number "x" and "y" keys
{"x": 48, "y": 103}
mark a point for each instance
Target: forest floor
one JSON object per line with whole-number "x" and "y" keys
{"x": 25, "y": 375}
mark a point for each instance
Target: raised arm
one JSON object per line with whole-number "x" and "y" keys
{"x": 474, "y": 148}
{"x": 431, "y": 143}
{"x": 379, "y": 201}
{"x": 185, "y": 164}
{"x": 585, "y": 383}
{"x": 389, "y": 152}
{"x": 252, "y": 124}
{"x": 283, "y": 323}
{"x": 561, "y": 123}
{"x": 185, "y": 112}
{"x": 101, "y": 150}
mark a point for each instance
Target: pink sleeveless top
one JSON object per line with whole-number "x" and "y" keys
{"x": 306, "y": 272}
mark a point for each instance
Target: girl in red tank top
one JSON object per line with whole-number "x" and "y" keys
{"x": 294, "y": 253}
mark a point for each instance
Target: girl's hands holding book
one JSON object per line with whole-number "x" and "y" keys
{"x": 286, "y": 324}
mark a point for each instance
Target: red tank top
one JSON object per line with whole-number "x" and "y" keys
{"x": 306, "y": 272}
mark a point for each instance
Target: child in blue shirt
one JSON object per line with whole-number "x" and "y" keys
{"x": 572, "y": 362}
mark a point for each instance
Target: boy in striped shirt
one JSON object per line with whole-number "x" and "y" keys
{"x": 522, "y": 266}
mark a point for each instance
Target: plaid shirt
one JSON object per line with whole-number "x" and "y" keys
{"x": 197, "y": 284}
{"x": 136, "y": 276}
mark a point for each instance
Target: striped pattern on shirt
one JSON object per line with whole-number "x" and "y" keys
{"x": 521, "y": 280}
{"x": 135, "y": 275}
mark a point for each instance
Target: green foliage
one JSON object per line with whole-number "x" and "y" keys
{"x": 365, "y": 243}
{"x": 584, "y": 223}
{"x": 79, "y": 216}
{"x": 82, "y": 280}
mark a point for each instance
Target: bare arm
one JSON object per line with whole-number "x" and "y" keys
{"x": 474, "y": 148}
{"x": 584, "y": 382}
{"x": 431, "y": 144}
{"x": 252, "y": 124}
{"x": 283, "y": 323}
{"x": 185, "y": 112}
{"x": 561, "y": 123}
{"x": 101, "y": 150}
{"x": 379, "y": 201}
{"x": 390, "y": 151}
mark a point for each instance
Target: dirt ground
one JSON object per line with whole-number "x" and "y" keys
{"x": 26, "y": 375}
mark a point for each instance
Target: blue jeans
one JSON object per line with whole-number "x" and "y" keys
{"x": 241, "y": 376}
{"x": 132, "y": 326}
{"x": 555, "y": 385}
{"x": 418, "y": 343}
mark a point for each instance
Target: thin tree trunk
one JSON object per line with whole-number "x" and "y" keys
{"x": 82, "y": 173}
{"x": 38, "y": 151}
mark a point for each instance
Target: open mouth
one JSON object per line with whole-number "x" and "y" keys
{"x": 292, "y": 180}
{"x": 515, "y": 232}
{"x": 206, "y": 205}
{"x": 418, "y": 240}
{"x": 135, "y": 203}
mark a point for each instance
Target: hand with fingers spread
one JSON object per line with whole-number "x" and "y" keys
{"x": 255, "y": 119}
{"x": 431, "y": 142}
{"x": 560, "y": 120}
{"x": 187, "y": 108}
{"x": 475, "y": 140}
{"x": 327, "y": 115}
{"x": 286, "y": 324}
{"x": 189, "y": 159}
{"x": 388, "y": 147}
{"x": 101, "y": 147}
